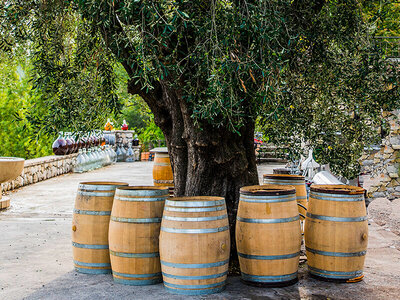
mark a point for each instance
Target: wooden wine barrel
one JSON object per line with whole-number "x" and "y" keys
{"x": 268, "y": 235}
{"x": 133, "y": 235}
{"x": 195, "y": 245}
{"x": 336, "y": 233}
{"x": 162, "y": 170}
{"x": 295, "y": 180}
{"x": 90, "y": 223}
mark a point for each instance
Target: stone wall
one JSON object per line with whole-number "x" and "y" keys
{"x": 383, "y": 165}
{"x": 42, "y": 168}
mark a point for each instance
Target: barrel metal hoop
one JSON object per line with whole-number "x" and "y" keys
{"x": 266, "y": 199}
{"x": 134, "y": 255}
{"x": 137, "y": 275}
{"x": 195, "y": 266}
{"x": 142, "y": 193}
{"x": 193, "y": 286}
{"x": 195, "y": 292}
{"x": 337, "y": 195}
{"x": 92, "y": 212}
{"x": 98, "y": 187}
{"x": 193, "y": 231}
{"x": 161, "y": 164}
{"x": 92, "y": 271}
{"x": 195, "y": 203}
{"x": 94, "y": 265}
{"x": 136, "y": 220}
{"x": 334, "y": 274}
{"x": 337, "y": 254}
{"x": 269, "y": 257}
{"x": 269, "y": 278}
{"x": 336, "y": 199}
{"x": 95, "y": 194}
{"x": 199, "y": 219}
{"x": 284, "y": 182}
{"x": 336, "y": 219}
{"x": 179, "y": 209}
{"x": 137, "y": 281}
{"x": 86, "y": 246}
{"x": 140, "y": 199}
{"x": 169, "y": 181}
{"x": 195, "y": 277}
{"x": 269, "y": 221}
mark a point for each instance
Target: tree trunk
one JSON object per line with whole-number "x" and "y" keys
{"x": 206, "y": 161}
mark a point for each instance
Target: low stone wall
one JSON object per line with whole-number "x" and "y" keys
{"x": 42, "y": 168}
{"x": 383, "y": 166}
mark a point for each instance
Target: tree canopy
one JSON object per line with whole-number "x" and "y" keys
{"x": 308, "y": 70}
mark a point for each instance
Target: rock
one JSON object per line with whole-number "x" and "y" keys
{"x": 380, "y": 209}
{"x": 378, "y": 195}
{"x": 367, "y": 162}
{"x": 393, "y": 175}
{"x": 392, "y": 168}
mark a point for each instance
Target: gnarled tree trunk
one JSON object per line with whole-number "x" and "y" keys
{"x": 206, "y": 161}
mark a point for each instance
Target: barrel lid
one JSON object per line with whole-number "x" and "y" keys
{"x": 267, "y": 190}
{"x": 337, "y": 189}
{"x": 283, "y": 176}
{"x": 159, "y": 150}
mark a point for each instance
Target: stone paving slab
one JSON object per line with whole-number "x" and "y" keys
{"x": 36, "y": 252}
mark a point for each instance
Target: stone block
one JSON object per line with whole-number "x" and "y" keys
{"x": 378, "y": 195}
{"x": 393, "y": 175}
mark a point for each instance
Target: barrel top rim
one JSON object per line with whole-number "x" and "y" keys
{"x": 143, "y": 188}
{"x": 104, "y": 183}
{"x": 196, "y": 198}
{"x": 268, "y": 190}
{"x": 337, "y": 189}
{"x": 284, "y": 176}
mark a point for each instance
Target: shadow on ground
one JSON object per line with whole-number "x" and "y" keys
{"x": 74, "y": 285}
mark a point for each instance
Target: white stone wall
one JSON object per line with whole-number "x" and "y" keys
{"x": 42, "y": 168}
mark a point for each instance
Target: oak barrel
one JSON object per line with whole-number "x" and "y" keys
{"x": 297, "y": 181}
{"x": 162, "y": 170}
{"x": 336, "y": 232}
{"x": 195, "y": 245}
{"x": 133, "y": 236}
{"x": 268, "y": 235}
{"x": 90, "y": 223}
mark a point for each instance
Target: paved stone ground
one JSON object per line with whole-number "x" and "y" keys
{"x": 36, "y": 256}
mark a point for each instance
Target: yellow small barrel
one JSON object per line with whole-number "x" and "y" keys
{"x": 162, "y": 170}
{"x": 336, "y": 233}
{"x": 90, "y": 223}
{"x": 295, "y": 180}
{"x": 268, "y": 235}
{"x": 133, "y": 235}
{"x": 195, "y": 245}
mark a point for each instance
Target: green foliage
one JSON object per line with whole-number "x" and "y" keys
{"x": 151, "y": 135}
{"x": 306, "y": 69}
{"x": 74, "y": 70}
{"x": 17, "y": 135}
